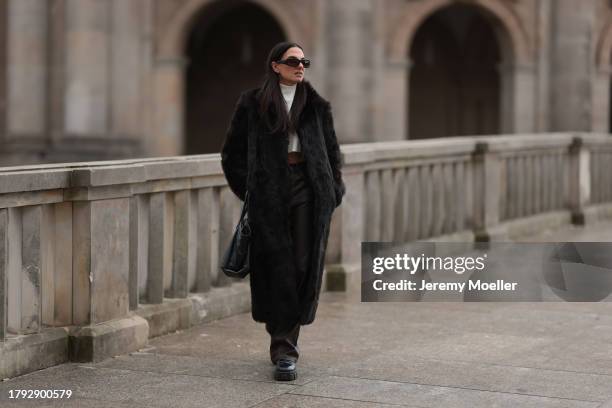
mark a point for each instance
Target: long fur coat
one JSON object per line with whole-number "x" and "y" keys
{"x": 250, "y": 148}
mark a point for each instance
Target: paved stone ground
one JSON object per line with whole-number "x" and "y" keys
{"x": 539, "y": 355}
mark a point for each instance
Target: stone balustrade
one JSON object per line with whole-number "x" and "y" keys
{"x": 95, "y": 258}
{"x": 466, "y": 189}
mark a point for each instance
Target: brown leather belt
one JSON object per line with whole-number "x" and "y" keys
{"x": 295, "y": 158}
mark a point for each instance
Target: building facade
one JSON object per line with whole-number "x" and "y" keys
{"x": 106, "y": 79}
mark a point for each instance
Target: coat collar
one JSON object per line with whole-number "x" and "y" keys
{"x": 314, "y": 101}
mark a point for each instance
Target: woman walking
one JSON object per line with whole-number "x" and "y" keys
{"x": 281, "y": 147}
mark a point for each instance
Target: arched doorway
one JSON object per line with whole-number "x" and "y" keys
{"x": 454, "y": 81}
{"x": 226, "y": 50}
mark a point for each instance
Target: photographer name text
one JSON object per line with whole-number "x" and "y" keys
{"x": 477, "y": 285}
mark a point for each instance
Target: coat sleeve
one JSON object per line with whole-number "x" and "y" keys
{"x": 333, "y": 153}
{"x": 234, "y": 151}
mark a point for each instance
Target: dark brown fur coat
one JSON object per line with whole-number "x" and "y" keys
{"x": 274, "y": 295}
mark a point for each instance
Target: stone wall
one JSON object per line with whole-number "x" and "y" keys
{"x": 105, "y": 79}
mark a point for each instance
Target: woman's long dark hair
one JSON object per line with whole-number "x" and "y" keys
{"x": 272, "y": 107}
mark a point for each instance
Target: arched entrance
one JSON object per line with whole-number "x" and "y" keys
{"x": 454, "y": 82}
{"x": 226, "y": 50}
{"x": 516, "y": 71}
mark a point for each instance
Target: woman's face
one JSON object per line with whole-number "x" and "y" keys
{"x": 289, "y": 75}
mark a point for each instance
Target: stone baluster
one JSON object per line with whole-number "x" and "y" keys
{"x": 529, "y": 199}
{"x": 438, "y": 213}
{"x": 546, "y": 173}
{"x": 372, "y": 206}
{"x": 406, "y": 206}
{"x": 450, "y": 198}
{"x": 230, "y": 207}
{"x": 414, "y": 208}
{"x": 399, "y": 204}
{"x": 460, "y": 194}
{"x": 487, "y": 190}
{"x": 537, "y": 183}
{"x": 56, "y": 264}
{"x": 208, "y": 238}
{"x": 352, "y": 229}
{"x": 139, "y": 247}
{"x": 24, "y": 269}
{"x": 427, "y": 195}
{"x": 160, "y": 245}
{"x": 387, "y": 198}
{"x": 3, "y": 272}
{"x": 580, "y": 180}
{"x": 605, "y": 187}
{"x": 185, "y": 243}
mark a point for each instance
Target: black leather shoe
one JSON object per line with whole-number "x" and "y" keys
{"x": 285, "y": 370}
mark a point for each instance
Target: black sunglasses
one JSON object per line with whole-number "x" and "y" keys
{"x": 294, "y": 62}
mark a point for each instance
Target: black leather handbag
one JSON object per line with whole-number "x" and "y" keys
{"x": 235, "y": 262}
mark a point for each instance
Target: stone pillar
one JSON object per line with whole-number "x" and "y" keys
{"x": 571, "y": 65}
{"x": 353, "y": 215}
{"x": 580, "y": 180}
{"x": 349, "y": 36}
{"x": 28, "y": 231}
{"x": 27, "y": 67}
{"x": 57, "y": 277}
{"x": 601, "y": 100}
{"x": 31, "y": 269}
{"x": 524, "y": 95}
{"x": 139, "y": 247}
{"x": 13, "y": 270}
{"x": 101, "y": 260}
{"x": 397, "y": 94}
{"x": 3, "y": 272}
{"x": 517, "y": 95}
{"x": 208, "y": 238}
{"x": 506, "y": 95}
{"x": 379, "y": 77}
{"x": 487, "y": 192}
{"x": 318, "y": 71}
{"x": 3, "y": 68}
{"x": 347, "y": 274}
{"x": 126, "y": 83}
{"x": 229, "y": 214}
{"x": 56, "y": 69}
{"x": 161, "y": 225}
{"x": 167, "y": 117}
{"x": 543, "y": 43}
{"x": 185, "y": 243}
{"x": 87, "y": 68}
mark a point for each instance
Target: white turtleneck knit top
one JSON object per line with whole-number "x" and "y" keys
{"x": 288, "y": 92}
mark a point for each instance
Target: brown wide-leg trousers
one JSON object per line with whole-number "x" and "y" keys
{"x": 283, "y": 341}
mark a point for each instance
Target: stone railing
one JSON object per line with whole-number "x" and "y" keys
{"x": 95, "y": 258}
{"x": 466, "y": 189}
